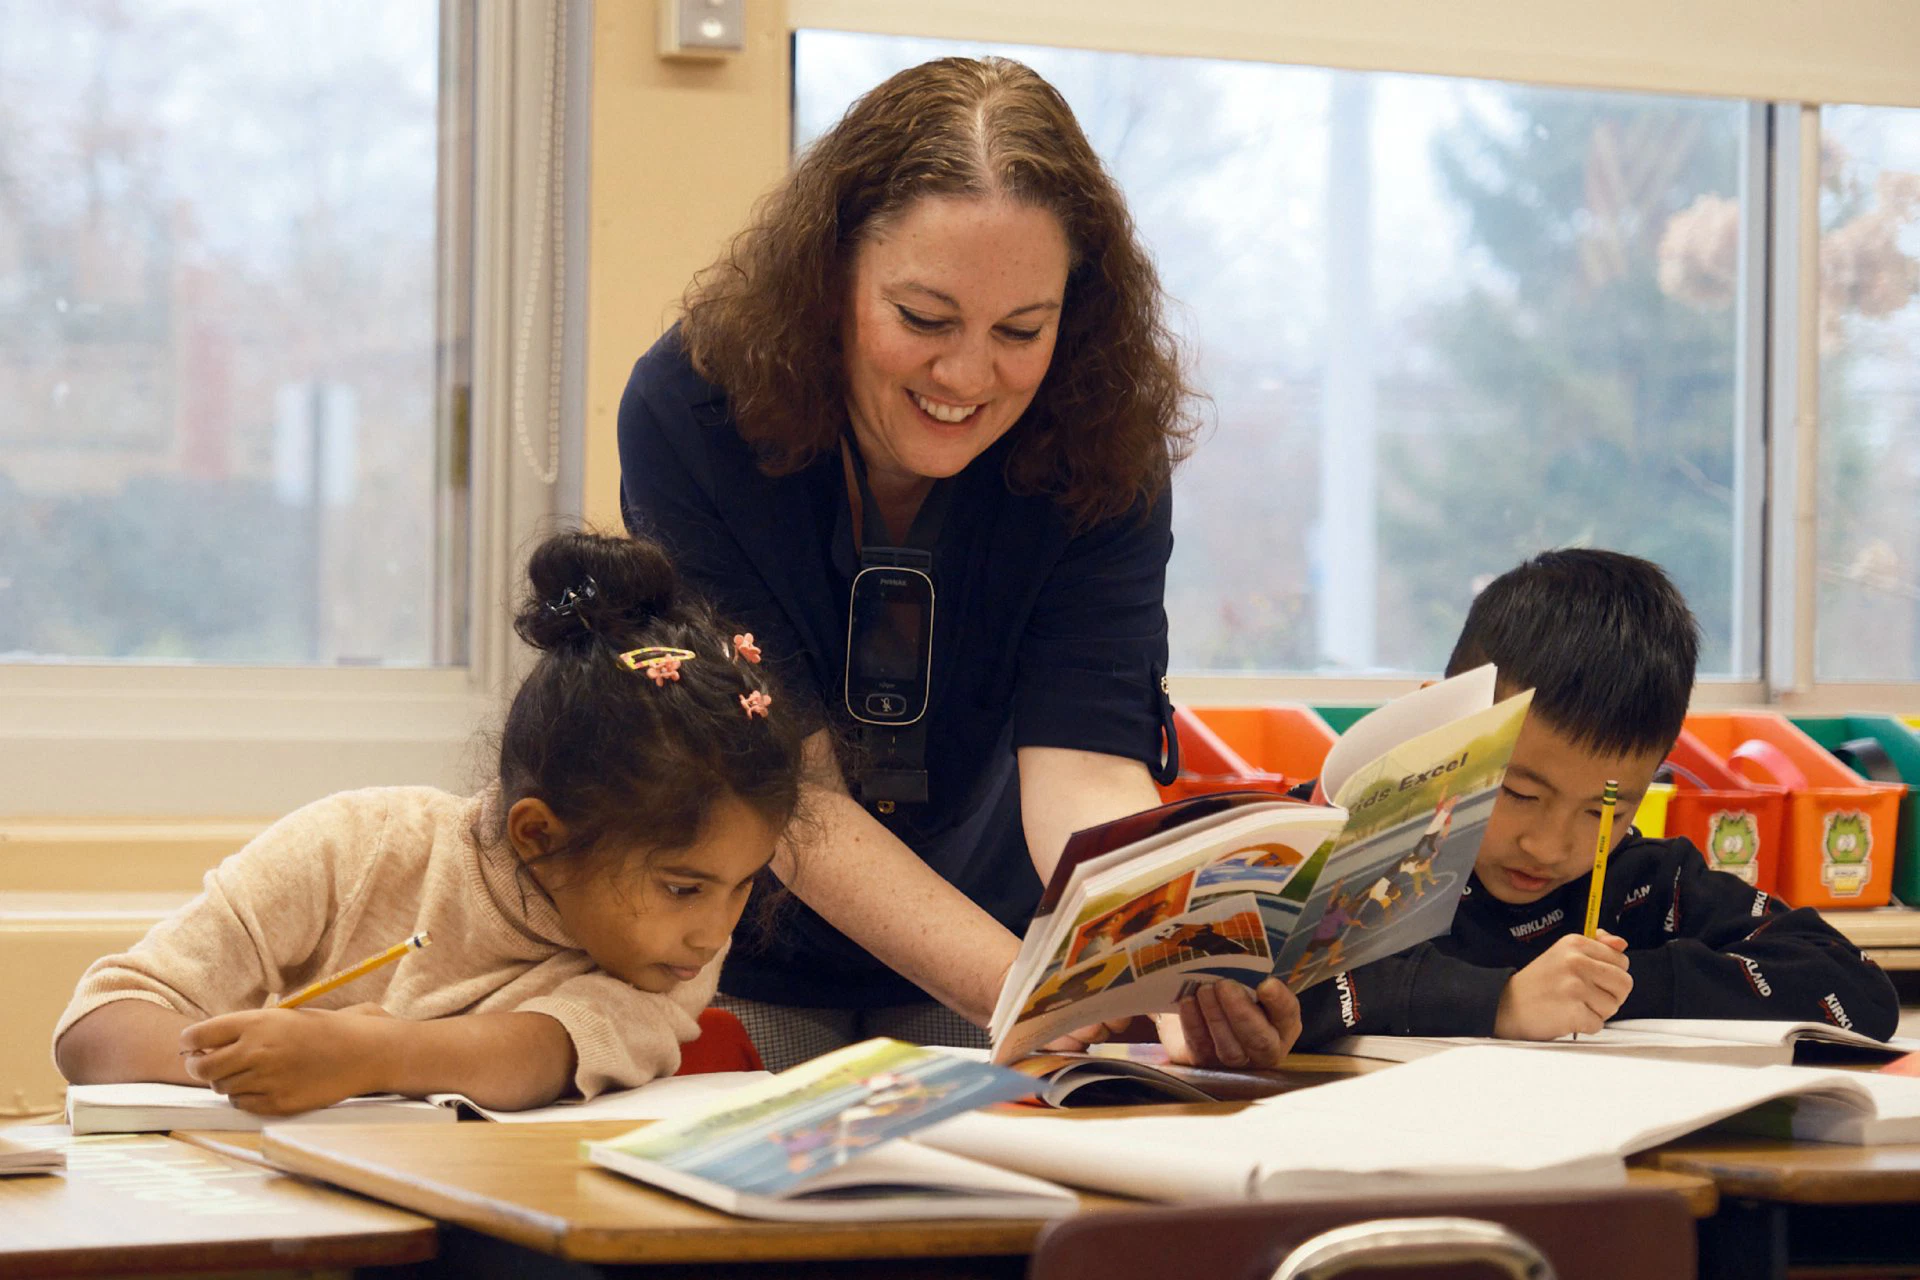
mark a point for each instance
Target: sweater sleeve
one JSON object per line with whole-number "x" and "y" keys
{"x": 1421, "y": 991}
{"x": 260, "y": 914}
{"x": 1731, "y": 951}
{"x": 623, "y": 1036}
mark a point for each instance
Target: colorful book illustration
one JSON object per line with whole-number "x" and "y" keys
{"x": 1142, "y": 911}
{"x": 819, "y": 1142}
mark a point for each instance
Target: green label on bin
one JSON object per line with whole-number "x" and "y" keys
{"x": 1733, "y": 843}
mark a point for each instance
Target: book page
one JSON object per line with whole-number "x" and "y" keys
{"x": 1404, "y": 718}
{"x": 1595, "y": 1102}
{"x": 655, "y": 1100}
{"x": 1763, "y": 1031}
{"x": 765, "y": 1138}
{"x": 1609, "y": 1039}
{"x": 1394, "y": 874}
{"x": 156, "y": 1108}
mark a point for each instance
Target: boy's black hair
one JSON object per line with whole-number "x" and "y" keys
{"x": 613, "y": 753}
{"x": 1605, "y": 641}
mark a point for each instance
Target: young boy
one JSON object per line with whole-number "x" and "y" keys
{"x": 1608, "y": 646}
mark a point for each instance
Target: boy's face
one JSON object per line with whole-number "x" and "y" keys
{"x": 1546, "y": 822}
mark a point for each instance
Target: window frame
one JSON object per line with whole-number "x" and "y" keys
{"x": 84, "y": 738}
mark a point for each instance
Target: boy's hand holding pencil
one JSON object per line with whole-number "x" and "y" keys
{"x": 1581, "y": 980}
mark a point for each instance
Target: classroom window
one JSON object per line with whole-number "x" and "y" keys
{"x": 228, "y": 427}
{"x": 1443, "y": 323}
{"x": 1868, "y": 590}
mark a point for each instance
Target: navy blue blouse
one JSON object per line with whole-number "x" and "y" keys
{"x": 1041, "y": 638}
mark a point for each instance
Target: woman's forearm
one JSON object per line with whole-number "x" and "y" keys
{"x": 127, "y": 1040}
{"x": 506, "y": 1061}
{"x": 867, "y": 884}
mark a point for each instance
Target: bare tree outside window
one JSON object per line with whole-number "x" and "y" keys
{"x": 218, "y": 255}
{"x": 1868, "y": 619}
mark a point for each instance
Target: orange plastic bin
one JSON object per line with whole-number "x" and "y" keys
{"x": 1735, "y": 822}
{"x": 1246, "y": 749}
{"x": 1840, "y": 829}
{"x": 1283, "y": 738}
{"x": 1208, "y": 764}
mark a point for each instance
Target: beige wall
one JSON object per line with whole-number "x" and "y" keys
{"x": 680, "y": 151}
{"x": 1793, "y": 50}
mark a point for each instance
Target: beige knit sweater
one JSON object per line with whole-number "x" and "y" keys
{"x": 351, "y": 875}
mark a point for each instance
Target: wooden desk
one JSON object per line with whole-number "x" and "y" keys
{"x": 149, "y": 1204}
{"x": 1805, "y": 1209}
{"x": 1889, "y": 935}
{"x": 526, "y": 1184}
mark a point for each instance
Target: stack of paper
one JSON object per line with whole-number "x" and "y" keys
{"x": 23, "y": 1157}
{"x": 1477, "y": 1119}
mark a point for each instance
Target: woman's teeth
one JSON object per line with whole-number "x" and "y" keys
{"x": 943, "y": 412}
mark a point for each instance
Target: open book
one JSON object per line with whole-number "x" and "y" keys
{"x": 1480, "y": 1119}
{"x": 158, "y": 1108}
{"x": 817, "y": 1142}
{"x": 1104, "y": 1080}
{"x": 1728, "y": 1041}
{"x": 1141, "y": 911}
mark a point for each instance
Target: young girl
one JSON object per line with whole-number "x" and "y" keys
{"x": 579, "y": 906}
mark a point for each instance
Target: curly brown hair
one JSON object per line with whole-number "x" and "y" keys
{"x": 1115, "y": 413}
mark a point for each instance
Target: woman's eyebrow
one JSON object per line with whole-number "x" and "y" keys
{"x": 949, "y": 300}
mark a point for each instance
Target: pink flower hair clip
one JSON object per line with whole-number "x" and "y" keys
{"x": 744, "y": 646}
{"x": 755, "y": 704}
{"x": 658, "y": 661}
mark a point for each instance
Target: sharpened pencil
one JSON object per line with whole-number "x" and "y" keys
{"x": 342, "y": 978}
{"x": 1608, "y": 798}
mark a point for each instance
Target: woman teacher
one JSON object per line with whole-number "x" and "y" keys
{"x": 916, "y": 427}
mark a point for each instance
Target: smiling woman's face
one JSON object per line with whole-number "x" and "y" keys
{"x": 951, "y": 318}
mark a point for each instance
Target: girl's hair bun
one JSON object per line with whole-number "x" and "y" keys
{"x": 581, "y": 585}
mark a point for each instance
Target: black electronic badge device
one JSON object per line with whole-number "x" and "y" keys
{"x": 889, "y": 672}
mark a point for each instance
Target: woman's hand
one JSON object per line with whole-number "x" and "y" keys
{"x": 277, "y": 1062}
{"x": 1226, "y": 1025}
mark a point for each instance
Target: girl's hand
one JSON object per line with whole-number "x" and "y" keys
{"x": 1575, "y": 985}
{"x": 276, "y": 1062}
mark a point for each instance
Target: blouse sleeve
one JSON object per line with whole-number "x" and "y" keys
{"x": 1093, "y": 662}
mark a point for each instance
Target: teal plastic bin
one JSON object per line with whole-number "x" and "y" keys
{"x": 1901, "y": 746}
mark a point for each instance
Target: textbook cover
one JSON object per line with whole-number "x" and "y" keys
{"x": 819, "y": 1141}
{"x": 1142, "y": 911}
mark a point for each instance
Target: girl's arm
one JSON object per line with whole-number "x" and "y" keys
{"x": 124, "y": 1041}
{"x": 279, "y": 1061}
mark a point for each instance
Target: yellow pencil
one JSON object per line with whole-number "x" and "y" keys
{"x": 366, "y": 966}
{"x": 1608, "y": 799}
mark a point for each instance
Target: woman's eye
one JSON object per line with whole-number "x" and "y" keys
{"x": 926, "y": 324}
{"x": 1019, "y": 335}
